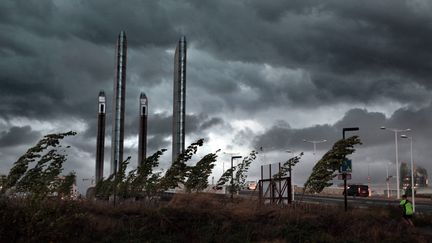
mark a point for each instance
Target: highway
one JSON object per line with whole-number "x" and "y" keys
{"x": 423, "y": 205}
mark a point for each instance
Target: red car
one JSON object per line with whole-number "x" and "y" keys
{"x": 358, "y": 190}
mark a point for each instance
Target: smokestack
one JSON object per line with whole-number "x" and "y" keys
{"x": 142, "y": 138}
{"x": 179, "y": 99}
{"x": 119, "y": 103}
{"x": 100, "y": 138}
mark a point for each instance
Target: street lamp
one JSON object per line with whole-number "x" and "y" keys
{"x": 344, "y": 174}
{"x": 232, "y": 174}
{"x": 314, "y": 143}
{"x": 397, "y": 159}
{"x": 223, "y": 162}
{"x": 412, "y": 170}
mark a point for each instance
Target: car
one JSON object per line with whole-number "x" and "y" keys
{"x": 358, "y": 190}
{"x": 251, "y": 185}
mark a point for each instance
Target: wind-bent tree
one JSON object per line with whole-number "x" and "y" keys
{"x": 105, "y": 188}
{"x": 115, "y": 184}
{"x": 285, "y": 168}
{"x": 177, "y": 173}
{"x": 324, "y": 170}
{"x": 144, "y": 182}
{"x": 65, "y": 186}
{"x": 143, "y": 179}
{"x": 43, "y": 178}
{"x": 197, "y": 176}
{"x": 240, "y": 174}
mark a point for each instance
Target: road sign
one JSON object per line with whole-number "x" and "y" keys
{"x": 346, "y": 166}
{"x": 340, "y": 176}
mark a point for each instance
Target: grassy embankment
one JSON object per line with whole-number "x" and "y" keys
{"x": 202, "y": 218}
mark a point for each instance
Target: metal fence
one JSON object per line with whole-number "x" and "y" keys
{"x": 273, "y": 188}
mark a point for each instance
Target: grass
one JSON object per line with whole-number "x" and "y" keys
{"x": 202, "y": 218}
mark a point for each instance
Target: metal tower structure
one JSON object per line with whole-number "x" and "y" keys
{"x": 119, "y": 103}
{"x": 142, "y": 138}
{"x": 179, "y": 99}
{"x": 100, "y": 139}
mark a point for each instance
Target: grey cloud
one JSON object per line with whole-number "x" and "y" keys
{"x": 351, "y": 53}
{"x": 210, "y": 123}
{"x": 350, "y": 57}
{"x": 159, "y": 127}
{"x": 280, "y": 136}
{"x": 18, "y": 136}
{"x": 243, "y": 137}
{"x": 244, "y": 57}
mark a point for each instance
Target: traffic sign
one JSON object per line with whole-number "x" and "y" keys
{"x": 346, "y": 166}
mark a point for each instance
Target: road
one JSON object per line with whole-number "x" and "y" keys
{"x": 421, "y": 206}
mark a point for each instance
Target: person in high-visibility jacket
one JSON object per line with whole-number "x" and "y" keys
{"x": 407, "y": 210}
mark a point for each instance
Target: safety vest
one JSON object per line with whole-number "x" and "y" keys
{"x": 407, "y": 206}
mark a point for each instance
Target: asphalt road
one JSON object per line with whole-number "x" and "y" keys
{"x": 421, "y": 205}
{"x": 424, "y": 206}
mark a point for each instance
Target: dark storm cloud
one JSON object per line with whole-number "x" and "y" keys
{"x": 54, "y": 57}
{"x": 159, "y": 130}
{"x": 160, "y": 124}
{"x": 158, "y": 142}
{"x": 345, "y": 54}
{"x": 244, "y": 57}
{"x": 281, "y": 136}
{"x": 16, "y": 136}
{"x": 96, "y": 21}
{"x": 349, "y": 52}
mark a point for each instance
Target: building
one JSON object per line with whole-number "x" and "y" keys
{"x": 73, "y": 193}
{"x": 420, "y": 176}
{"x": 179, "y": 99}
{"x": 119, "y": 103}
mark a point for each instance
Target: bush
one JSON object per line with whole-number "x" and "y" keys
{"x": 200, "y": 217}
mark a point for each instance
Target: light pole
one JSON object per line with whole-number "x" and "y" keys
{"x": 397, "y": 159}
{"x": 223, "y": 162}
{"x": 344, "y": 174}
{"x": 232, "y": 175}
{"x": 412, "y": 170}
{"x": 314, "y": 143}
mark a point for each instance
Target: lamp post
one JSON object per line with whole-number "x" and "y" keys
{"x": 232, "y": 175}
{"x": 314, "y": 143}
{"x": 396, "y": 131}
{"x": 412, "y": 170}
{"x": 223, "y": 162}
{"x": 344, "y": 175}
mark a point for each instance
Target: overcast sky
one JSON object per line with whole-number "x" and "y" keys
{"x": 259, "y": 74}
